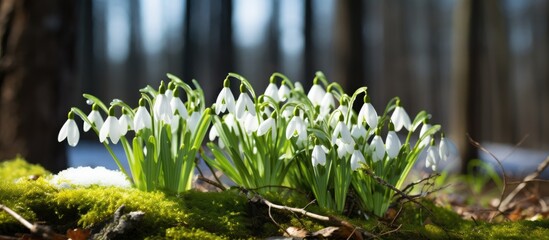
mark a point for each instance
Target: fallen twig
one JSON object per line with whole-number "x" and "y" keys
{"x": 357, "y": 232}
{"x": 479, "y": 146}
{"x": 44, "y": 231}
{"x": 504, "y": 205}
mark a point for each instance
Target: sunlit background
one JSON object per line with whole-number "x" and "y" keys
{"x": 422, "y": 51}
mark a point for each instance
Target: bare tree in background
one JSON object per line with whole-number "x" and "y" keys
{"x": 36, "y": 50}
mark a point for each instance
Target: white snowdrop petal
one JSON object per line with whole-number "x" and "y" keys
{"x": 73, "y": 135}
{"x": 283, "y": 92}
{"x": 272, "y": 91}
{"x": 443, "y": 149}
{"x": 392, "y": 144}
{"x": 316, "y": 93}
{"x": 63, "y": 132}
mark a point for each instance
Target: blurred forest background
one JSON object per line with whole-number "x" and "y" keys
{"x": 479, "y": 67}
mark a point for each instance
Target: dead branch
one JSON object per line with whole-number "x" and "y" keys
{"x": 213, "y": 183}
{"x": 44, "y": 231}
{"x": 504, "y": 205}
{"x": 479, "y": 146}
{"x": 357, "y": 232}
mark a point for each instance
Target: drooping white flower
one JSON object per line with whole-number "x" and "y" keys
{"x": 250, "y": 123}
{"x": 359, "y": 131}
{"x": 342, "y": 132}
{"x": 111, "y": 128}
{"x": 214, "y": 134}
{"x": 95, "y": 118}
{"x": 327, "y": 104}
{"x": 433, "y": 158}
{"x": 401, "y": 119}
{"x": 344, "y": 148}
{"x": 225, "y": 100}
{"x": 427, "y": 139}
{"x": 162, "y": 109}
{"x": 377, "y": 148}
{"x": 126, "y": 123}
{"x": 316, "y": 93}
{"x": 299, "y": 87}
{"x": 177, "y": 105}
{"x": 244, "y": 104}
{"x": 267, "y": 125}
{"x": 230, "y": 121}
{"x": 174, "y": 123}
{"x": 443, "y": 149}
{"x": 69, "y": 130}
{"x": 318, "y": 155}
{"x": 356, "y": 159}
{"x": 392, "y": 144}
{"x": 142, "y": 118}
{"x": 297, "y": 128}
{"x": 368, "y": 114}
{"x": 272, "y": 91}
{"x": 192, "y": 121}
{"x": 283, "y": 92}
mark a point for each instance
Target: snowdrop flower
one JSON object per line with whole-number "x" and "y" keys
{"x": 192, "y": 122}
{"x": 250, "y": 123}
{"x": 267, "y": 125}
{"x": 177, "y": 105}
{"x": 356, "y": 159}
{"x": 174, "y": 122}
{"x": 344, "y": 148}
{"x": 327, "y": 104}
{"x": 244, "y": 104}
{"x": 126, "y": 122}
{"x": 377, "y": 148}
{"x": 342, "y": 132}
{"x": 319, "y": 155}
{"x": 392, "y": 143}
{"x": 358, "y": 131}
{"x": 111, "y": 128}
{"x": 297, "y": 128}
{"x": 283, "y": 92}
{"x": 225, "y": 99}
{"x": 422, "y": 132}
{"x": 316, "y": 93}
{"x": 170, "y": 91}
{"x": 298, "y": 87}
{"x": 368, "y": 113}
{"x": 213, "y": 135}
{"x": 272, "y": 91}
{"x": 433, "y": 156}
{"x": 400, "y": 118}
{"x": 95, "y": 118}
{"x": 69, "y": 131}
{"x": 443, "y": 148}
{"x": 162, "y": 109}
{"x": 142, "y": 118}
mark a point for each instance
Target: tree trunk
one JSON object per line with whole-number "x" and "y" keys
{"x": 37, "y": 43}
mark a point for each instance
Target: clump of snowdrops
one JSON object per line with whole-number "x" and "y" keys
{"x": 161, "y": 136}
{"x": 315, "y": 140}
{"x": 286, "y": 136}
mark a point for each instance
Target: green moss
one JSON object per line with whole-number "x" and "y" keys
{"x": 225, "y": 215}
{"x": 14, "y": 169}
{"x": 193, "y": 233}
